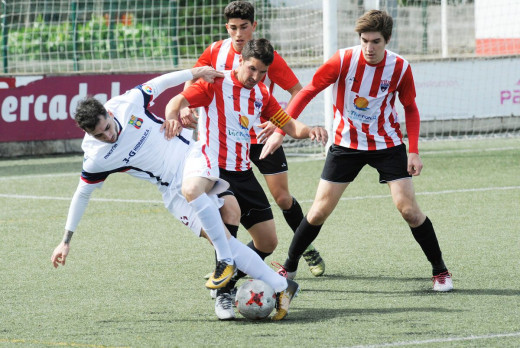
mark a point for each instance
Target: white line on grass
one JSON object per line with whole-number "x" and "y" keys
{"x": 440, "y": 340}
{"x": 15, "y": 196}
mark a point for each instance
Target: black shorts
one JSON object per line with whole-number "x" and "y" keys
{"x": 272, "y": 164}
{"x": 253, "y": 202}
{"x": 343, "y": 164}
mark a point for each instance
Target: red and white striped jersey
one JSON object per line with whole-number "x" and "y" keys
{"x": 230, "y": 112}
{"x": 363, "y": 98}
{"x": 222, "y": 56}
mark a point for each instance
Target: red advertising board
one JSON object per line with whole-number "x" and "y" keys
{"x": 43, "y": 109}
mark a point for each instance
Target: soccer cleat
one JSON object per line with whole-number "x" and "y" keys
{"x": 283, "y": 300}
{"x": 224, "y": 306}
{"x": 207, "y": 276}
{"x": 282, "y": 271}
{"x": 221, "y": 276}
{"x": 314, "y": 260}
{"x": 442, "y": 282}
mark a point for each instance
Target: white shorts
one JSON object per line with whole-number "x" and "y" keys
{"x": 198, "y": 164}
{"x": 176, "y": 203}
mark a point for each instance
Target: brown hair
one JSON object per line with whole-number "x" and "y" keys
{"x": 375, "y": 20}
{"x": 260, "y": 49}
{"x": 240, "y": 9}
{"x": 88, "y": 112}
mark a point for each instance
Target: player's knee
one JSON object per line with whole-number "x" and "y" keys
{"x": 267, "y": 245}
{"x": 190, "y": 191}
{"x": 317, "y": 217}
{"x": 411, "y": 216}
{"x": 230, "y": 215}
{"x": 284, "y": 200}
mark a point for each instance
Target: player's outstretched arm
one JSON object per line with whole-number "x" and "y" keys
{"x": 299, "y": 130}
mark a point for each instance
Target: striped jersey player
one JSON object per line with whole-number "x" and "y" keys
{"x": 367, "y": 79}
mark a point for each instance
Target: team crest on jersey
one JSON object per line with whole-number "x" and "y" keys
{"x": 360, "y": 103}
{"x": 136, "y": 122}
{"x": 243, "y": 121}
{"x": 184, "y": 220}
{"x": 258, "y": 104}
{"x": 384, "y": 85}
{"x": 147, "y": 89}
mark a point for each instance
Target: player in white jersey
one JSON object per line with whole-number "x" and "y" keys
{"x": 366, "y": 80}
{"x": 258, "y": 219}
{"x": 232, "y": 104}
{"x": 124, "y": 136}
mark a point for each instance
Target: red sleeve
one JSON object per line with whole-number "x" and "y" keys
{"x": 200, "y": 93}
{"x": 281, "y": 74}
{"x": 326, "y": 75}
{"x": 413, "y": 125}
{"x": 406, "y": 88}
{"x": 205, "y": 58}
{"x": 271, "y": 108}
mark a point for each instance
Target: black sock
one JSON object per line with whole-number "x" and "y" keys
{"x": 293, "y": 215}
{"x": 425, "y": 236}
{"x": 303, "y": 237}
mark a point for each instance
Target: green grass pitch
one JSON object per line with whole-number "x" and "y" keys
{"x": 134, "y": 276}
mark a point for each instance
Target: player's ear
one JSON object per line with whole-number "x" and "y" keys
{"x": 254, "y": 25}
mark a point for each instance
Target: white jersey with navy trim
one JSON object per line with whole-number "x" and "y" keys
{"x": 141, "y": 150}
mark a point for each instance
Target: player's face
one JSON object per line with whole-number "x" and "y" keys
{"x": 240, "y": 31}
{"x": 373, "y": 46}
{"x": 251, "y": 71}
{"x": 106, "y": 129}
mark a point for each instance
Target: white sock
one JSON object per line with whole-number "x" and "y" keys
{"x": 249, "y": 262}
{"x": 211, "y": 221}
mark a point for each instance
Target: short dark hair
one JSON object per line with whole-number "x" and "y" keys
{"x": 240, "y": 9}
{"x": 260, "y": 49}
{"x": 375, "y": 20}
{"x": 88, "y": 112}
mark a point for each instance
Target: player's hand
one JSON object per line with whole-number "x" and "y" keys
{"x": 271, "y": 145}
{"x": 319, "y": 134}
{"x": 268, "y": 129}
{"x": 60, "y": 254}
{"x": 415, "y": 164}
{"x": 171, "y": 128}
{"x": 207, "y": 73}
{"x": 189, "y": 118}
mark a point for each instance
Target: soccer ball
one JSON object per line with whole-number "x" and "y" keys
{"x": 255, "y": 299}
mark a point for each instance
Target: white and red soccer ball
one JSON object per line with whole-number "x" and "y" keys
{"x": 255, "y": 299}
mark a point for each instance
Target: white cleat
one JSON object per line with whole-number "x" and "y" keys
{"x": 442, "y": 282}
{"x": 224, "y": 307}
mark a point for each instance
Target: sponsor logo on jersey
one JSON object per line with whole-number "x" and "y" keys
{"x": 354, "y": 115}
{"x": 184, "y": 220}
{"x": 243, "y": 121}
{"x": 136, "y": 122}
{"x": 239, "y": 136}
{"x": 110, "y": 151}
{"x": 137, "y": 147}
{"x": 360, "y": 103}
{"x": 384, "y": 85}
{"x": 147, "y": 89}
{"x": 258, "y": 104}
